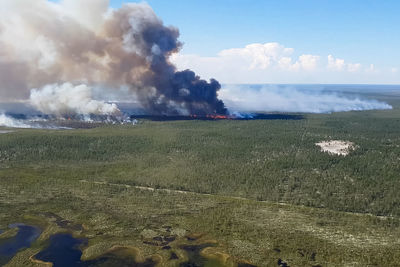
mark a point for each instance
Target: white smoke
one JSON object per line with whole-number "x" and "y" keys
{"x": 67, "y": 99}
{"x": 290, "y": 99}
{"x": 6, "y": 121}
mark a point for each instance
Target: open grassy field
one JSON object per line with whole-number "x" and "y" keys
{"x": 260, "y": 189}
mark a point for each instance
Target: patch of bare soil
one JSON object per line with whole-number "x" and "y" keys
{"x": 336, "y": 147}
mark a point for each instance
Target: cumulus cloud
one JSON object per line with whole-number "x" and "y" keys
{"x": 308, "y": 62}
{"x": 257, "y": 56}
{"x": 275, "y": 63}
{"x": 253, "y": 63}
{"x": 335, "y": 63}
{"x": 353, "y": 67}
{"x": 338, "y": 64}
{"x": 371, "y": 68}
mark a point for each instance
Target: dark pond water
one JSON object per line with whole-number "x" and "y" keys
{"x": 118, "y": 258}
{"x": 195, "y": 259}
{"x": 25, "y": 236}
{"x": 65, "y": 251}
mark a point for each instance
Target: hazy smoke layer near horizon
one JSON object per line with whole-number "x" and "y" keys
{"x": 271, "y": 98}
{"x": 68, "y": 47}
{"x": 7, "y": 121}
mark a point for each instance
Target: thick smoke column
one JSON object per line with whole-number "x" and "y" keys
{"x": 45, "y": 43}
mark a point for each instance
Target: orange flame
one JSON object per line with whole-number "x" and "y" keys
{"x": 211, "y": 116}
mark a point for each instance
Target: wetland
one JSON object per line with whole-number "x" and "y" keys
{"x": 261, "y": 190}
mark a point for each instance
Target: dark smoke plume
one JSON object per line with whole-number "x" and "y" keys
{"x": 52, "y": 44}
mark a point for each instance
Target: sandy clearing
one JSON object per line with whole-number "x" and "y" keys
{"x": 336, "y": 147}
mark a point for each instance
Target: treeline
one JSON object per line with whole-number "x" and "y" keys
{"x": 263, "y": 159}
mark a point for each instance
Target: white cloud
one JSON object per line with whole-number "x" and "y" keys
{"x": 338, "y": 64}
{"x": 252, "y": 63}
{"x": 268, "y": 56}
{"x": 371, "y": 68}
{"x": 258, "y": 56}
{"x": 353, "y": 67}
{"x": 275, "y": 63}
{"x": 285, "y": 63}
{"x": 308, "y": 62}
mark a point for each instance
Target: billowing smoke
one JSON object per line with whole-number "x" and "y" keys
{"x": 7, "y": 121}
{"x": 65, "y": 49}
{"x": 67, "y": 99}
{"x": 291, "y": 99}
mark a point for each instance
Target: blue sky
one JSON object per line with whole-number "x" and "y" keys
{"x": 366, "y": 31}
{"x": 358, "y": 32}
{"x": 286, "y": 41}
